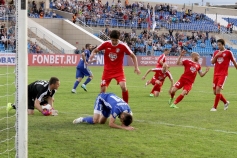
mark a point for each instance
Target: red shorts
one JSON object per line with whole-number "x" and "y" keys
{"x": 184, "y": 83}
{"x": 219, "y": 81}
{"x": 153, "y": 81}
{"x": 157, "y": 87}
{"x": 107, "y": 79}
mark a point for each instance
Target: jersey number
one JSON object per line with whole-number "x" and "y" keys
{"x": 117, "y": 99}
{"x": 43, "y": 83}
{"x": 177, "y": 84}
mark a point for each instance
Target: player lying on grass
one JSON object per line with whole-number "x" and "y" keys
{"x": 109, "y": 105}
{"x": 158, "y": 79}
{"x": 191, "y": 67}
{"x": 113, "y": 62}
{"x": 83, "y": 70}
{"x": 40, "y": 93}
{"x": 221, "y": 58}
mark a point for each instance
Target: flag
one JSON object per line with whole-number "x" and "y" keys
{"x": 149, "y": 19}
{"x": 153, "y": 21}
{"x": 154, "y": 26}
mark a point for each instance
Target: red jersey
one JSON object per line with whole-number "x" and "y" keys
{"x": 160, "y": 58}
{"x": 159, "y": 75}
{"x": 113, "y": 57}
{"x": 222, "y": 62}
{"x": 190, "y": 70}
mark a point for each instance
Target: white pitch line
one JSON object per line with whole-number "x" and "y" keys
{"x": 187, "y": 126}
{"x": 167, "y": 124}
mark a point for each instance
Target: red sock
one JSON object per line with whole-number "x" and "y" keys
{"x": 217, "y": 99}
{"x": 180, "y": 97}
{"x": 222, "y": 98}
{"x": 125, "y": 96}
{"x": 153, "y": 89}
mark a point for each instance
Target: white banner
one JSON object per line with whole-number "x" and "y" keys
{"x": 7, "y": 58}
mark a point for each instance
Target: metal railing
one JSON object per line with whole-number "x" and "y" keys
{"x": 99, "y": 33}
{"x": 42, "y": 35}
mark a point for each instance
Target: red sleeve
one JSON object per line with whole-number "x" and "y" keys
{"x": 156, "y": 69}
{"x": 127, "y": 50}
{"x": 161, "y": 58}
{"x": 231, "y": 56}
{"x": 214, "y": 54}
{"x": 102, "y": 46}
{"x": 169, "y": 75}
{"x": 184, "y": 62}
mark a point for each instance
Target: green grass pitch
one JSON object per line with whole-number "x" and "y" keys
{"x": 191, "y": 131}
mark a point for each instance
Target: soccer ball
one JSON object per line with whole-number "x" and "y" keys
{"x": 47, "y": 110}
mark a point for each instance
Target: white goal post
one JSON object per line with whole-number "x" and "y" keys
{"x": 21, "y": 79}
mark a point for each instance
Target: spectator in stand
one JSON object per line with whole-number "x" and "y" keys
{"x": 34, "y": 7}
{"x": 54, "y": 15}
{"x": 219, "y": 27}
{"x": 207, "y": 34}
{"x": 29, "y": 47}
{"x": 202, "y": 45}
{"x": 171, "y": 33}
{"x": 38, "y": 49}
{"x": 214, "y": 46}
{"x": 77, "y": 51}
{"x": 74, "y": 18}
{"x": 231, "y": 27}
{"x": 228, "y": 27}
{"x": 173, "y": 50}
{"x": 42, "y": 4}
{"x": 5, "y": 40}
{"x": 213, "y": 39}
{"x": 47, "y": 13}
{"x": 41, "y": 15}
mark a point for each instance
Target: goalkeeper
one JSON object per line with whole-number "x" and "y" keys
{"x": 41, "y": 93}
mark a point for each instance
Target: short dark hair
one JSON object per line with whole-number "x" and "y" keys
{"x": 53, "y": 80}
{"x": 127, "y": 119}
{"x": 114, "y": 34}
{"x": 87, "y": 45}
{"x": 222, "y": 41}
{"x": 166, "y": 49}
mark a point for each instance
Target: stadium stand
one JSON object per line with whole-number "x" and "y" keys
{"x": 231, "y": 20}
{"x": 195, "y": 27}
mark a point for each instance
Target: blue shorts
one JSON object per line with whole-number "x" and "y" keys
{"x": 81, "y": 72}
{"x": 100, "y": 108}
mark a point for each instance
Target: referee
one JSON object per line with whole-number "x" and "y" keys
{"x": 39, "y": 93}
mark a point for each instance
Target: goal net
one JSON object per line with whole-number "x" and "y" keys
{"x": 13, "y": 80}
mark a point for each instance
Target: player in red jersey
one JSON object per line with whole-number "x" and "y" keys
{"x": 158, "y": 79}
{"x": 191, "y": 68}
{"x": 113, "y": 62}
{"x": 221, "y": 58}
{"x": 161, "y": 59}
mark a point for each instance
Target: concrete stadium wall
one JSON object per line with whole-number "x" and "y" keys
{"x": 73, "y": 34}
{"x": 45, "y": 33}
{"x": 54, "y": 25}
{"x": 66, "y": 15}
{"x": 78, "y": 36}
